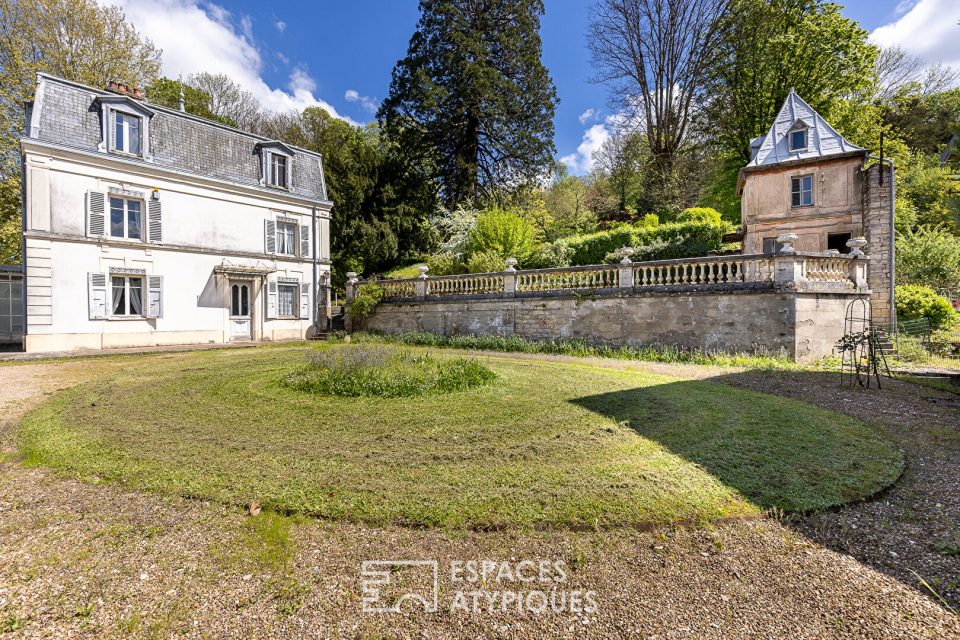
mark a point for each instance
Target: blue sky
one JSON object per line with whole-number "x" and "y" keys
{"x": 339, "y": 54}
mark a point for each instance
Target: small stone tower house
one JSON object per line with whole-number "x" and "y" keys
{"x": 806, "y": 178}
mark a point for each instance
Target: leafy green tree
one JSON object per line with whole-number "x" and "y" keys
{"x": 924, "y": 121}
{"x": 566, "y": 200}
{"x": 770, "y": 46}
{"x": 80, "y": 40}
{"x": 929, "y": 256}
{"x": 166, "y": 92}
{"x": 472, "y": 99}
{"x": 503, "y": 233}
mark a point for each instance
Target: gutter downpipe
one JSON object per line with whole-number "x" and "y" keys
{"x": 893, "y": 199}
{"x": 23, "y": 242}
{"x": 316, "y": 305}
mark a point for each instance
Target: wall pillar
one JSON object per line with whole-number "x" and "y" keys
{"x": 420, "y": 286}
{"x": 510, "y": 279}
{"x": 878, "y": 231}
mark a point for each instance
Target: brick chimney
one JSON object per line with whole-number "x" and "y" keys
{"x": 125, "y": 90}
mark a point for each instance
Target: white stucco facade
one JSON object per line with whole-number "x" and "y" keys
{"x": 205, "y": 266}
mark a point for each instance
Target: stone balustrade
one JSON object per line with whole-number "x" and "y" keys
{"x": 827, "y": 272}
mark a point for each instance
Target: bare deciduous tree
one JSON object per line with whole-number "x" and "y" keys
{"x": 655, "y": 55}
{"x": 228, "y": 99}
{"x": 896, "y": 69}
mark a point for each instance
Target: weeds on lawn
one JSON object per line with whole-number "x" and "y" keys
{"x": 583, "y": 348}
{"x": 372, "y": 370}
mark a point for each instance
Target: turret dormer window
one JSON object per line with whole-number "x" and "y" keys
{"x": 797, "y": 138}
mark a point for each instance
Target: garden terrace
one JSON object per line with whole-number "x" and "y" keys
{"x": 790, "y": 302}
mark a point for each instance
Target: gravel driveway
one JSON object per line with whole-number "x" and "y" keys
{"x": 88, "y": 560}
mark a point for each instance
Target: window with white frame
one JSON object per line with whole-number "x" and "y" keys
{"x": 287, "y": 238}
{"x": 278, "y": 170}
{"x": 127, "y": 133}
{"x": 126, "y": 218}
{"x": 287, "y": 295}
{"x": 801, "y": 191}
{"x": 127, "y": 295}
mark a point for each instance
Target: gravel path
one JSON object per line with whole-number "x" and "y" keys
{"x": 86, "y": 560}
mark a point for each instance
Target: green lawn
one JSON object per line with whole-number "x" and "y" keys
{"x": 544, "y": 444}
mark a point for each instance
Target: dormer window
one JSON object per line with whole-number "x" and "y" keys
{"x": 276, "y": 163}
{"x": 798, "y": 137}
{"x": 127, "y": 133}
{"x": 126, "y": 126}
{"x": 278, "y": 170}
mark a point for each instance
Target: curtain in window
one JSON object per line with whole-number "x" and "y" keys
{"x": 287, "y": 239}
{"x": 136, "y": 296}
{"x": 286, "y": 299}
{"x": 119, "y": 297}
{"x": 133, "y": 219}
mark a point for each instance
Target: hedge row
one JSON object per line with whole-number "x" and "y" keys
{"x": 662, "y": 242}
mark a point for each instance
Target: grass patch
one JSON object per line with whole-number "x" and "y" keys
{"x": 373, "y": 370}
{"x": 582, "y": 348}
{"x": 550, "y": 444}
{"x": 406, "y": 271}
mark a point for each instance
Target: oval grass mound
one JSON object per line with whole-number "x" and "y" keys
{"x": 376, "y": 370}
{"x": 549, "y": 444}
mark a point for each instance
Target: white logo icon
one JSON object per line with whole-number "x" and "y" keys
{"x": 387, "y": 584}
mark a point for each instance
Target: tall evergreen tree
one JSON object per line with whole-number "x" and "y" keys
{"x": 472, "y": 98}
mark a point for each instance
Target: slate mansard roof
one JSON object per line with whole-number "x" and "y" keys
{"x": 67, "y": 114}
{"x": 823, "y": 140}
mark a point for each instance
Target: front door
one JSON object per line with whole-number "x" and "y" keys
{"x": 241, "y": 325}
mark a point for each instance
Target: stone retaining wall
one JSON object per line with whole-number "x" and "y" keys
{"x": 805, "y": 326}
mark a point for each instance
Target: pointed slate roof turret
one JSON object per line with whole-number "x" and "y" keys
{"x": 822, "y": 140}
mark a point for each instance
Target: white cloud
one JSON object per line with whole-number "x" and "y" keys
{"x": 196, "y": 36}
{"x": 589, "y": 114}
{"x": 929, "y": 29}
{"x": 280, "y": 25}
{"x": 368, "y": 103}
{"x": 582, "y": 161}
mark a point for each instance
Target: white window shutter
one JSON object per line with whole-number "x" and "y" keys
{"x": 324, "y": 239}
{"x": 155, "y": 296}
{"x": 304, "y": 241}
{"x": 270, "y": 236}
{"x": 271, "y": 300}
{"x": 154, "y": 221}
{"x": 96, "y": 214}
{"x": 97, "y": 294}
{"x": 304, "y": 300}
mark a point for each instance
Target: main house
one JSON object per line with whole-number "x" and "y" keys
{"x": 147, "y": 226}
